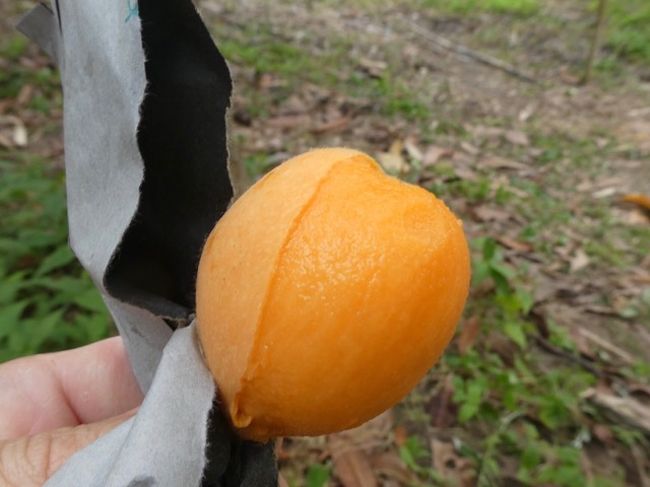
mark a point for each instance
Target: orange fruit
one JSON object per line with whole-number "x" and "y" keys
{"x": 325, "y": 293}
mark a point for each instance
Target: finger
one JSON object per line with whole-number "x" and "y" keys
{"x": 30, "y": 461}
{"x": 50, "y": 391}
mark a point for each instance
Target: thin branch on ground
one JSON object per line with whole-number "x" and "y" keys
{"x": 595, "y": 42}
{"x": 552, "y": 349}
{"x": 466, "y": 52}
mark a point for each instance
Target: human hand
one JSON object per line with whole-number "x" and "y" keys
{"x": 52, "y": 405}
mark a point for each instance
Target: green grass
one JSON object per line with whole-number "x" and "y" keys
{"x": 47, "y": 302}
{"x": 266, "y": 52}
{"x": 629, "y": 29}
{"x": 522, "y": 412}
{"x": 516, "y": 7}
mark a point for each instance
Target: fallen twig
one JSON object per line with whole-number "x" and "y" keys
{"x": 627, "y": 409}
{"x": 471, "y": 54}
{"x": 595, "y": 41}
{"x": 607, "y": 346}
{"x": 549, "y": 347}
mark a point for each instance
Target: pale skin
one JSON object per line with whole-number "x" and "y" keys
{"x": 52, "y": 405}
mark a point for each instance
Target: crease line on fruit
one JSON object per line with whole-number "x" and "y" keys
{"x": 240, "y": 419}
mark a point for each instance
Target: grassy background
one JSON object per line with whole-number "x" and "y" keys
{"x": 47, "y": 302}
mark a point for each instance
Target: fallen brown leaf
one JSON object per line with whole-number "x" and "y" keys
{"x": 5, "y": 141}
{"x": 400, "y": 435}
{"x": 287, "y": 122}
{"x": 25, "y": 95}
{"x": 393, "y": 161}
{"x": 451, "y": 466}
{"x": 469, "y": 148}
{"x": 282, "y": 481}
{"x": 579, "y": 261}
{"x": 517, "y": 137}
{"x": 486, "y": 214}
{"x": 481, "y": 131}
{"x": 389, "y": 464}
{"x": 20, "y": 135}
{"x": 603, "y": 433}
{"x": 465, "y": 173}
{"x": 468, "y": 334}
{"x": 434, "y": 153}
{"x": 374, "y": 68}
{"x": 604, "y": 193}
{"x": 527, "y": 112}
{"x": 352, "y": 467}
{"x": 413, "y": 150}
{"x": 636, "y": 132}
{"x": 628, "y": 409}
{"x": 375, "y": 433}
{"x": 607, "y": 346}
{"x": 513, "y": 244}
{"x": 441, "y": 408}
{"x": 333, "y": 126}
{"x": 506, "y": 349}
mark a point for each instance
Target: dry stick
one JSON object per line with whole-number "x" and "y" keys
{"x": 595, "y": 41}
{"x": 550, "y": 348}
{"x": 471, "y": 54}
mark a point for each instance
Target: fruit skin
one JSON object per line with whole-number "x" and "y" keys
{"x": 325, "y": 294}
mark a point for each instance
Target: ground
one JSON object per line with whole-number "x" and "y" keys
{"x": 547, "y": 381}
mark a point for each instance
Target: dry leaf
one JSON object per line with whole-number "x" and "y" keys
{"x": 389, "y": 465}
{"x": 282, "y": 481}
{"x": 373, "y": 67}
{"x": 287, "y": 122}
{"x": 506, "y": 349}
{"x": 441, "y": 408}
{"x": 352, "y": 467}
{"x": 486, "y": 214}
{"x": 517, "y": 137}
{"x": 516, "y": 245}
{"x": 5, "y": 141}
{"x": 604, "y": 193}
{"x": 413, "y": 150}
{"x": 450, "y": 465}
{"x": 400, "y": 435}
{"x": 434, "y": 154}
{"x": 25, "y": 95}
{"x": 393, "y": 161}
{"x": 333, "y": 126}
{"x": 579, "y": 261}
{"x": 20, "y": 135}
{"x": 485, "y": 132}
{"x": 396, "y": 147}
{"x": 527, "y": 112}
{"x": 603, "y": 433}
{"x": 469, "y": 148}
{"x": 468, "y": 334}
{"x": 607, "y": 346}
{"x": 628, "y": 409}
{"x": 465, "y": 173}
{"x": 636, "y": 132}
{"x": 374, "y": 433}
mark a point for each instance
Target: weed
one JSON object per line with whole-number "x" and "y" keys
{"x": 629, "y": 35}
{"x": 318, "y": 475}
{"x": 47, "y": 302}
{"x": 515, "y": 7}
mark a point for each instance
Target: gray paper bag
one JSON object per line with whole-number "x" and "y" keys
{"x": 145, "y": 100}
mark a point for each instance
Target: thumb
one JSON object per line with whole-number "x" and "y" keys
{"x": 30, "y": 461}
